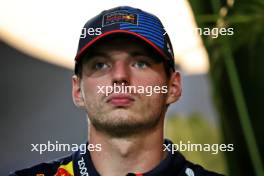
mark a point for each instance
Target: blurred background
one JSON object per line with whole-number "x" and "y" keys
{"x": 223, "y": 86}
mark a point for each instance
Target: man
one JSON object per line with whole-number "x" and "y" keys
{"x": 132, "y": 51}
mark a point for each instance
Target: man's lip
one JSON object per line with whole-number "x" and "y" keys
{"x": 120, "y": 99}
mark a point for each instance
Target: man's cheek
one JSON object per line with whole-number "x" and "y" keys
{"x": 156, "y": 100}
{"x": 92, "y": 93}
{"x": 92, "y": 98}
{"x": 93, "y": 107}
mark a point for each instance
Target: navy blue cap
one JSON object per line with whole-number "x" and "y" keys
{"x": 132, "y": 21}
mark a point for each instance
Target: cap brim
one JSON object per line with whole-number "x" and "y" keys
{"x": 89, "y": 44}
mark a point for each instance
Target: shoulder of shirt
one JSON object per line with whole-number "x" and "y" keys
{"x": 192, "y": 169}
{"x": 48, "y": 168}
{"x": 183, "y": 167}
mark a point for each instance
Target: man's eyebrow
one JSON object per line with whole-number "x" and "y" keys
{"x": 148, "y": 55}
{"x": 92, "y": 54}
{"x": 105, "y": 55}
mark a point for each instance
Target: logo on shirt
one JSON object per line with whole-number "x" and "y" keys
{"x": 189, "y": 172}
{"x": 82, "y": 167}
{"x": 119, "y": 17}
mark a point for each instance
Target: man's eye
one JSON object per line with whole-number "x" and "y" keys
{"x": 100, "y": 66}
{"x": 141, "y": 64}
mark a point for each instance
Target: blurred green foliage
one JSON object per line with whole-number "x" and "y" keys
{"x": 197, "y": 130}
{"x": 236, "y": 70}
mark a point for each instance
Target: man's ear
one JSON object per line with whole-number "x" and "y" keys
{"x": 174, "y": 89}
{"x": 77, "y": 92}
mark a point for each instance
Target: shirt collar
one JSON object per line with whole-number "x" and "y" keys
{"x": 173, "y": 163}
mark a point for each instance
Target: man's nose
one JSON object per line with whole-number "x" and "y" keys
{"x": 120, "y": 72}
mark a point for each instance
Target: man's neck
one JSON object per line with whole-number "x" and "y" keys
{"x": 119, "y": 156}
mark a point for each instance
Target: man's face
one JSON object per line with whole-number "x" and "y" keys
{"x": 122, "y": 61}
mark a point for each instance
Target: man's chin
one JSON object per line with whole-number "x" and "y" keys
{"x": 124, "y": 125}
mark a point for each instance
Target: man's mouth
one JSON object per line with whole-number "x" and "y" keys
{"x": 120, "y": 100}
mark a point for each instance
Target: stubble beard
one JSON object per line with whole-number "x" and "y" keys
{"x": 120, "y": 125}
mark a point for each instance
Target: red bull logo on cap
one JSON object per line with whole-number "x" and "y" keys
{"x": 120, "y": 17}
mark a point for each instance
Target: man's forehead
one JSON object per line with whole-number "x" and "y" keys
{"x": 121, "y": 43}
